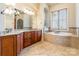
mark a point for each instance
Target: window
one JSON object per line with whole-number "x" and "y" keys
{"x": 54, "y": 21}
{"x": 59, "y": 20}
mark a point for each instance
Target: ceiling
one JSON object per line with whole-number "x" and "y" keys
{"x": 51, "y": 4}
{"x": 32, "y": 6}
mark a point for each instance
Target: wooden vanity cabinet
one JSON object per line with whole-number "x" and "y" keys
{"x": 11, "y": 45}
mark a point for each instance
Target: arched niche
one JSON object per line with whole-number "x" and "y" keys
{"x": 19, "y": 24}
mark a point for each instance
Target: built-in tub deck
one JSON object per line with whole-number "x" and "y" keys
{"x": 62, "y": 38}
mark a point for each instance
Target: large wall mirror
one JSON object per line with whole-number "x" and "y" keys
{"x": 23, "y": 21}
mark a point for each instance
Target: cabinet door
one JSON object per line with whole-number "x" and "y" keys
{"x": 39, "y": 35}
{"x": 7, "y": 46}
{"x": 33, "y": 37}
{"x": 27, "y": 39}
{"x": 0, "y": 46}
{"x": 36, "y": 36}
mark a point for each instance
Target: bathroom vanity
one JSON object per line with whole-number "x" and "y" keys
{"x": 11, "y": 44}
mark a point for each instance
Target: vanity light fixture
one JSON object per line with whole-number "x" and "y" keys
{"x": 11, "y": 11}
{"x": 29, "y": 12}
{"x": 7, "y": 11}
{"x": 16, "y": 11}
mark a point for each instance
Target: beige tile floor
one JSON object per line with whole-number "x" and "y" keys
{"x": 47, "y": 49}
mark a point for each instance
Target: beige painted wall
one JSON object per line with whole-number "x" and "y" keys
{"x": 71, "y": 12}
{"x": 77, "y": 15}
{"x": 38, "y": 19}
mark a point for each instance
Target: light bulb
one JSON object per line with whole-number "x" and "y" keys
{"x": 6, "y": 11}
{"x": 29, "y": 12}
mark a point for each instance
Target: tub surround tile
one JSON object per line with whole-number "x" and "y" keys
{"x": 69, "y": 41}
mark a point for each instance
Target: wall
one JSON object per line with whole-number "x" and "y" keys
{"x": 38, "y": 19}
{"x": 71, "y": 12}
{"x": 77, "y": 18}
{"x": 34, "y": 21}
{"x": 77, "y": 15}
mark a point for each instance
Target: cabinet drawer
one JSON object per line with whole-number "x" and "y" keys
{"x": 28, "y": 37}
{"x": 27, "y": 33}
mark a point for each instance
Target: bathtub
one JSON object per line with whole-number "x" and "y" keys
{"x": 60, "y": 38}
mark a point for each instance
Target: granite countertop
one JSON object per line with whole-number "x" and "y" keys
{"x": 14, "y": 32}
